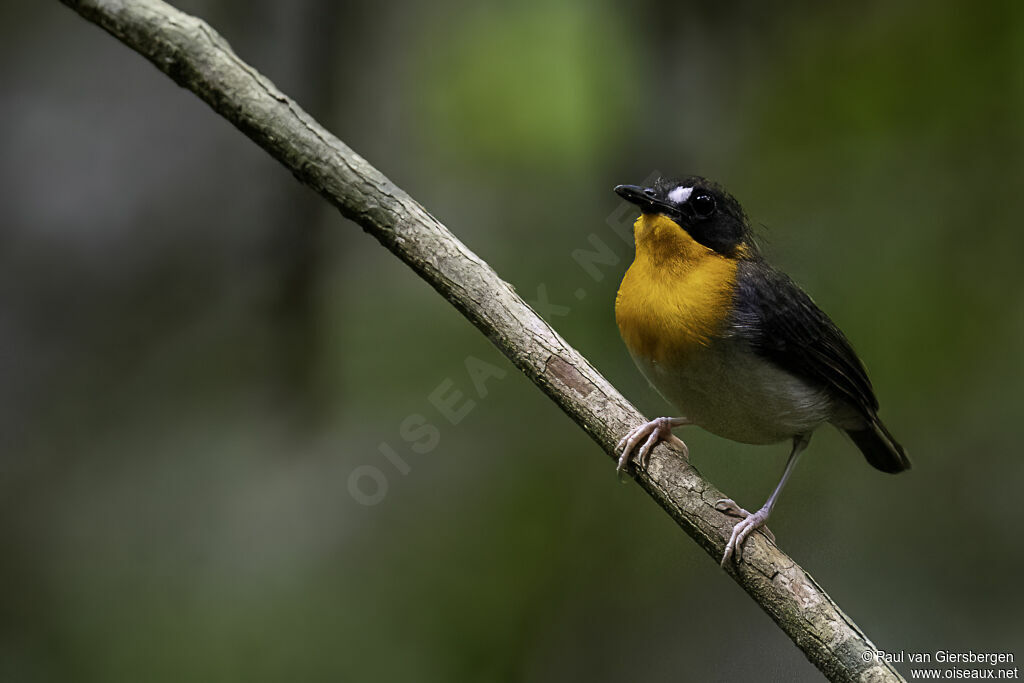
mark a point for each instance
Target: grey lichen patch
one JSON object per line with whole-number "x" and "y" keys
{"x": 876, "y": 674}
{"x": 668, "y": 469}
{"x": 794, "y": 581}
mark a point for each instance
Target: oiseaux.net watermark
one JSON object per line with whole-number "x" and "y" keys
{"x": 454, "y": 399}
{"x": 950, "y": 664}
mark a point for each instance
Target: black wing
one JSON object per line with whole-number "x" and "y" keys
{"x": 785, "y": 326}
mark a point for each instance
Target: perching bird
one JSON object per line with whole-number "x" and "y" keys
{"x": 736, "y": 346}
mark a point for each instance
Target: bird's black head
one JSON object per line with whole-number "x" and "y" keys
{"x": 709, "y": 214}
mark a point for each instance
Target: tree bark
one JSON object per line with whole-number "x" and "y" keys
{"x": 196, "y": 57}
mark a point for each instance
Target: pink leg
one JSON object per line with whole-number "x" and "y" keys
{"x": 658, "y": 429}
{"x": 751, "y": 522}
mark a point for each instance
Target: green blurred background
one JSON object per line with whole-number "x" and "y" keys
{"x": 196, "y": 353}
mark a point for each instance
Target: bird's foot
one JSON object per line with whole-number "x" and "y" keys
{"x": 749, "y": 523}
{"x": 658, "y": 429}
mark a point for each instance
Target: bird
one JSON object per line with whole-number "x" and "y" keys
{"x": 735, "y": 345}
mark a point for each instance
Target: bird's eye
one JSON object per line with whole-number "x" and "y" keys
{"x": 703, "y": 205}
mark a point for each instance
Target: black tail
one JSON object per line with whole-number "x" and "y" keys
{"x": 880, "y": 448}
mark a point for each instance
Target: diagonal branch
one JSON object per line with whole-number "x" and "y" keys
{"x": 196, "y": 57}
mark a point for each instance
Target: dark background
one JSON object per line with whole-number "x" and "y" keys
{"x": 196, "y": 353}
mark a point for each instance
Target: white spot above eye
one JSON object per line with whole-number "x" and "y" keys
{"x": 680, "y": 194}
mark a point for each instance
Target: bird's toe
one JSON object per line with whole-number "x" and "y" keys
{"x": 750, "y": 523}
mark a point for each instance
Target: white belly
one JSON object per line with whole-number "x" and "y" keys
{"x": 731, "y": 392}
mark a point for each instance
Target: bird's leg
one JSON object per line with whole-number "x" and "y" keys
{"x": 658, "y": 429}
{"x": 752, "y": 522}
{"x": 730, "y": 507}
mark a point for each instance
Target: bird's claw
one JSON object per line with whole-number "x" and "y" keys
{"x": 658, "y": 429}
{"x": 749, "y": 523}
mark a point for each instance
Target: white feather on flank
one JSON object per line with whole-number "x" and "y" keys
{"x": 680, "y": 194}
{"x": 730, "y": 391}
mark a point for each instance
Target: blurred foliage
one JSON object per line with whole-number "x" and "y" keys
{"x": 196, "y": 354}
{"x": 490, "y": 101}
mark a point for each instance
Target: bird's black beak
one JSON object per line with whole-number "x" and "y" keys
{"x": 644, "y": 197}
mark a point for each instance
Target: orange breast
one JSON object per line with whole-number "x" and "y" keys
{"x": 676, "y": 296}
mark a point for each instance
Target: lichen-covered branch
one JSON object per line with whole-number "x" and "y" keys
{"x": 196, "y": 57}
